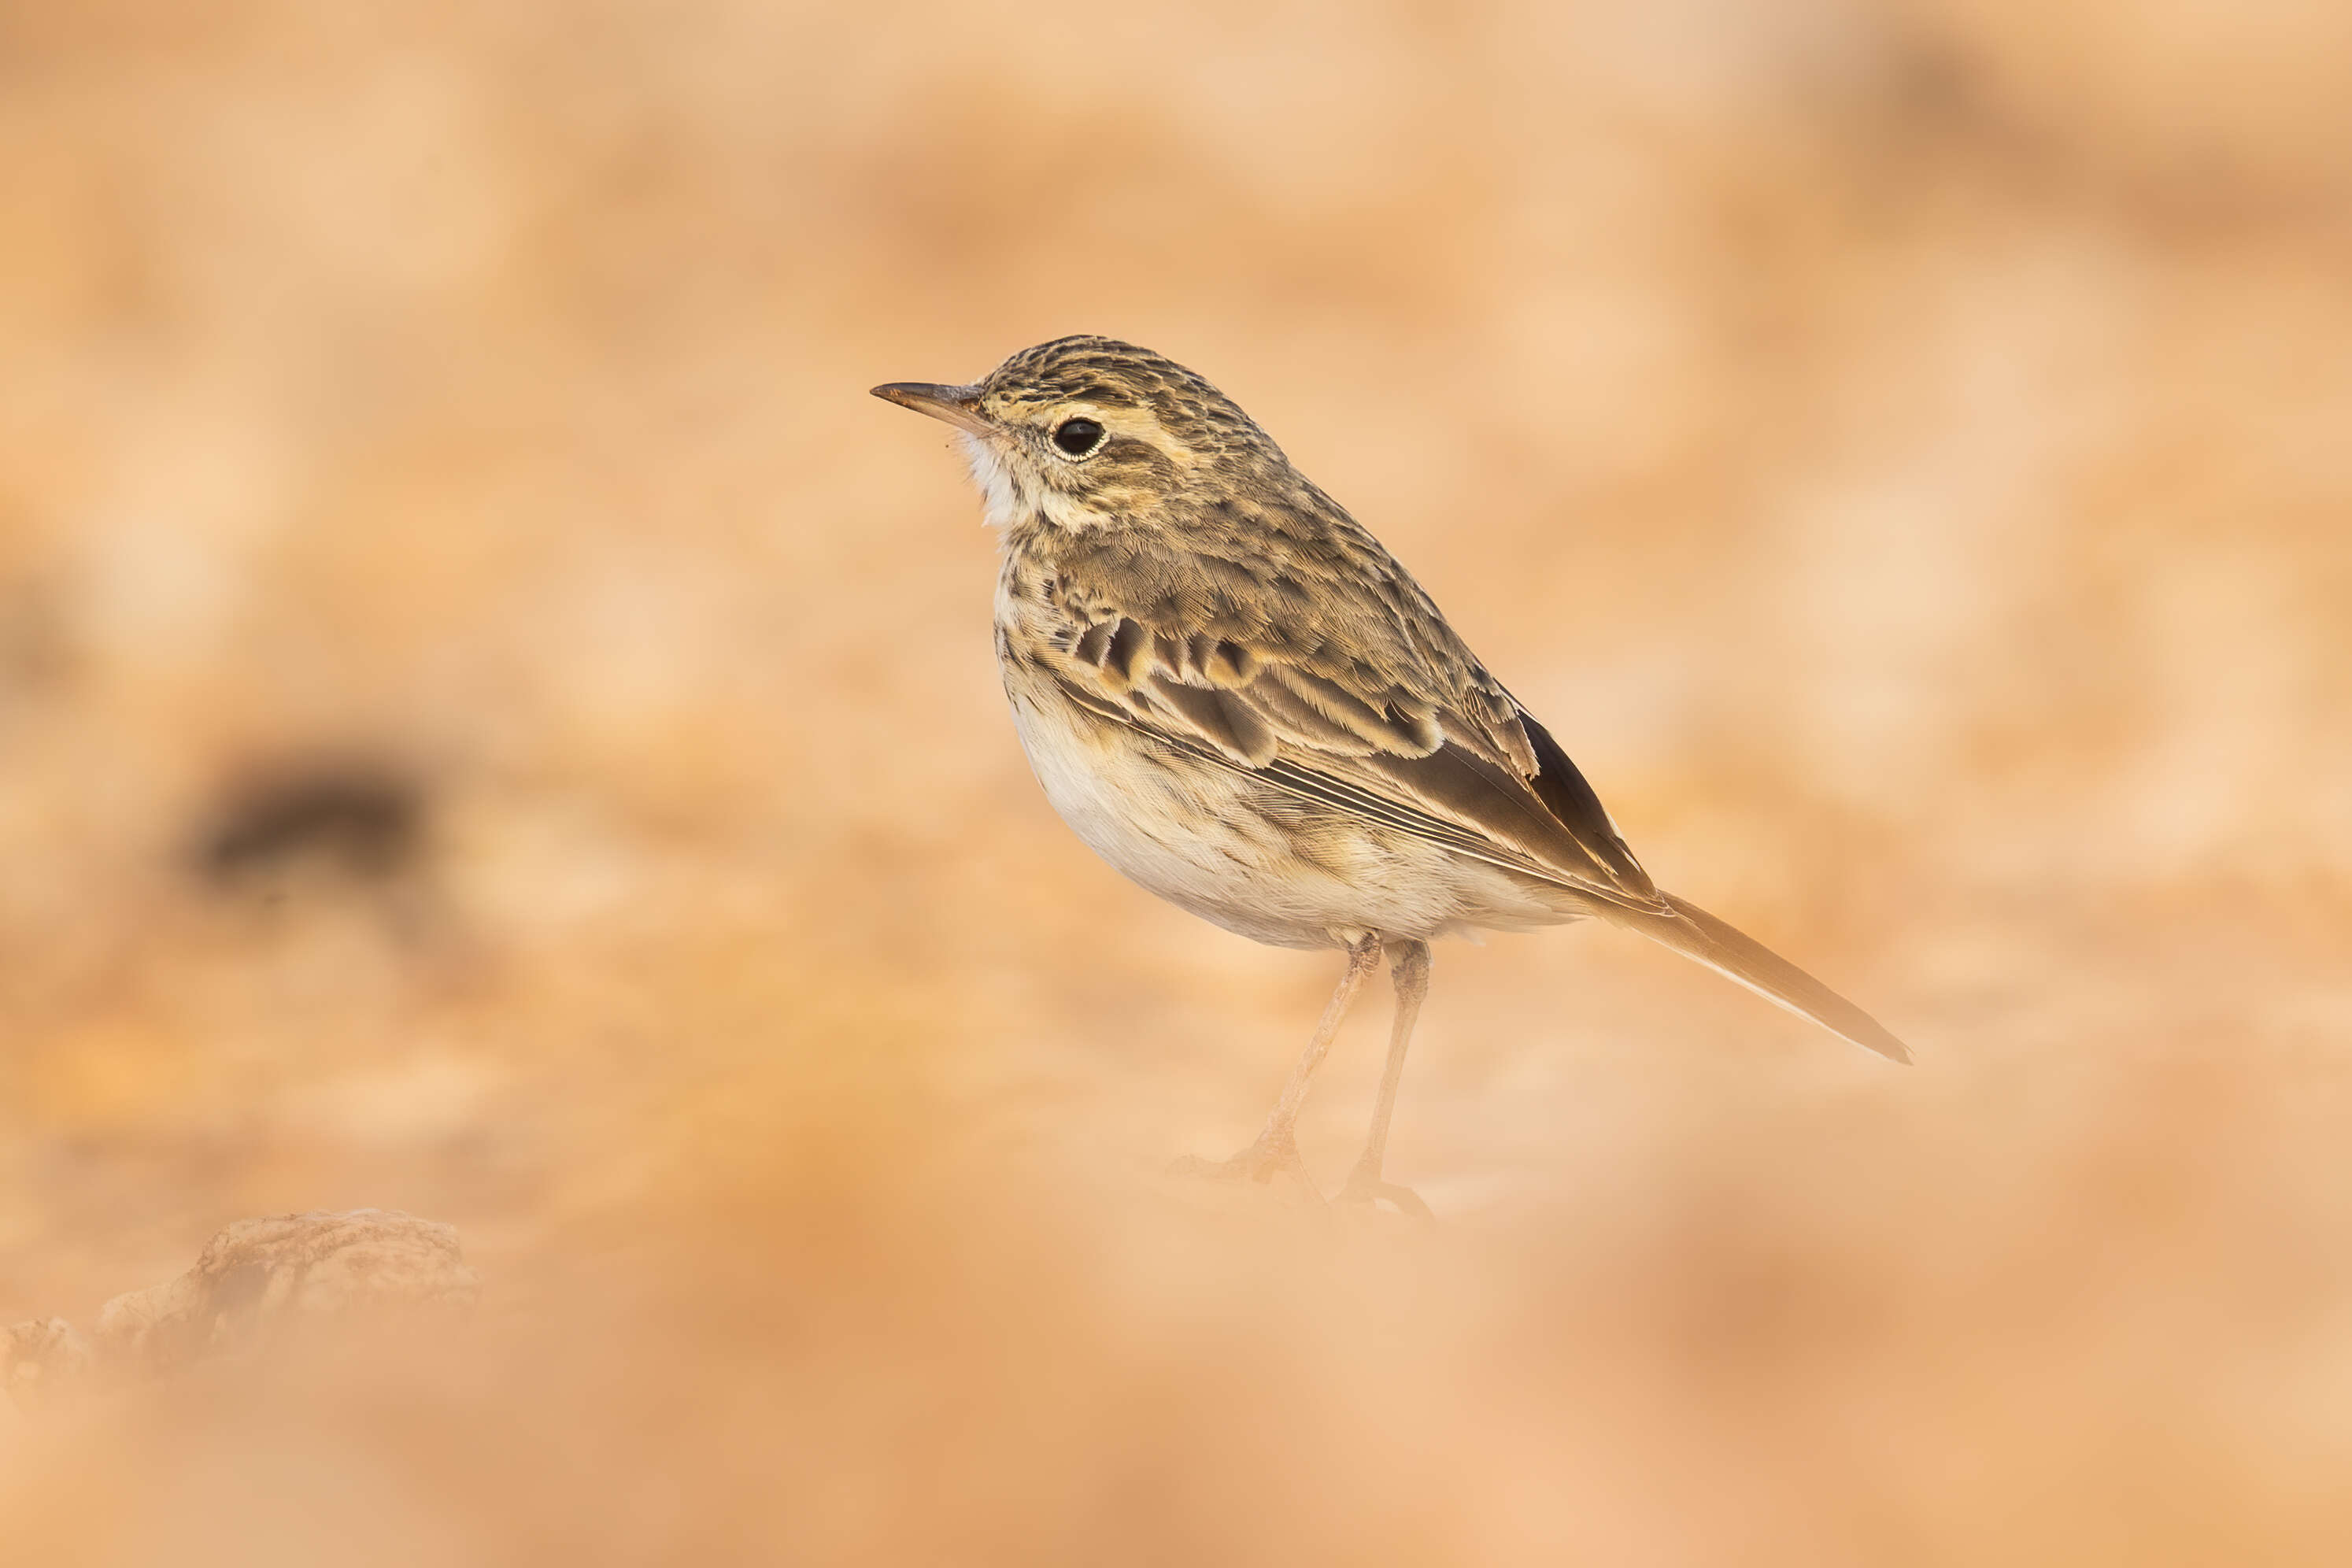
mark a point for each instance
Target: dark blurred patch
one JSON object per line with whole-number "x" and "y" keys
{"x": 1902, "y": 90}
{"x": 35, "y": 652}
{"x": 359, "y": 819}
{"x": 1931, "y": 80}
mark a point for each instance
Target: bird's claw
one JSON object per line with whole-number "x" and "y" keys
{"x": 1367, "y": 1188}
{"x": 1261, "y": 1162}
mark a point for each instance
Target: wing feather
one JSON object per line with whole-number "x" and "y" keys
{"x": 1222, "y": 718}
{"x": 1476, "y": 775}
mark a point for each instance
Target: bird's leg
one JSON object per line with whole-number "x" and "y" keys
{"x": 1409, "y": 971}
{"x": 1276, "y": 1148}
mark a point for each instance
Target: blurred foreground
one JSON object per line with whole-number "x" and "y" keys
{"x": 494, "y": 723}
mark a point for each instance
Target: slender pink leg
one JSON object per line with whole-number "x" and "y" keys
{"x": 1408, "y": 972}
{"x": 1276, "y": 1148}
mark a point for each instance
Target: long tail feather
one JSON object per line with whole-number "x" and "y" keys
{"x": 1693, "y": 933}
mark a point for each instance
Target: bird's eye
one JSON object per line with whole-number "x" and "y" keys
{"x": 1077, "y": 437}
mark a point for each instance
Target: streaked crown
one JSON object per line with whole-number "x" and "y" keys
{"x": 1089, "y": 431}
{"x": 1105, "y": 373}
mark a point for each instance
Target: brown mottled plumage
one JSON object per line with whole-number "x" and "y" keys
{"x": 1239, "y": 699}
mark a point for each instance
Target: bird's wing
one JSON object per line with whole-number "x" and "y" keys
{"x": 1451, "y": 758}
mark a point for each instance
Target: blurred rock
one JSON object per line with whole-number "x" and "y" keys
{"x": 257, "y": 1283}
{"x": 41, "y": 1359}
{"x": 360, "y": 818}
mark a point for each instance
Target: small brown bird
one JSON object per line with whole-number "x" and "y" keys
{"x": 1235, "y": 696}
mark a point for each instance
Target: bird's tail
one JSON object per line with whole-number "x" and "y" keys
{"x": 1693, "y": 933}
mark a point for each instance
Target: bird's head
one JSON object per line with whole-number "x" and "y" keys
{"x": 1089, "y": 432}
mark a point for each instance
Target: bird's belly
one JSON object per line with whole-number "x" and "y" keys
{"x": 1248, "y": 856}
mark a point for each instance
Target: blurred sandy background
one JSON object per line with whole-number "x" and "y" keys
{"x": 494, "y": 721}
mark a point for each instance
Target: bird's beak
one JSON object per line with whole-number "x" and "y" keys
{"x": 958, "y": 405}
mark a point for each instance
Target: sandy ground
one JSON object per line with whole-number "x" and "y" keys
{"x": 494, "y": 723}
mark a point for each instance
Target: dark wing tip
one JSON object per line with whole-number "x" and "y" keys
{"x": 1566, "y": 795}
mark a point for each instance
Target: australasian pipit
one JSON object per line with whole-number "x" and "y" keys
{"x": 1240, "y": 699}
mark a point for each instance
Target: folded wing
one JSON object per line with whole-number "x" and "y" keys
{"x": 1466, "y": 768}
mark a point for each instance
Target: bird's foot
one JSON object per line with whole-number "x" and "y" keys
{"x": 1365, "y": 1186}
{"x": 1269, "y": 1161}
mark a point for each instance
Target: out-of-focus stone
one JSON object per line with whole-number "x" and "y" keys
{"x": 261, "y": 1281}
{"x": 41, "y": 1359}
